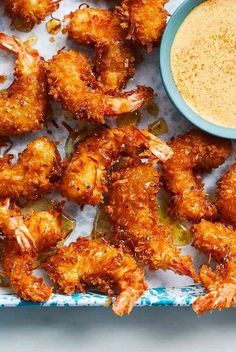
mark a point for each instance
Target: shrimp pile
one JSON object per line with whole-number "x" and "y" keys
{"x": 94, "y": 263}
{"x": 74, "y": 85}
{"x": 45, "y": 231}
{"x": 226, "y": 195}
{"x": 145, "y": 20}
{"x": 31, "y": 11}
{"x": 218, "y": 241}
{"x": 85, "y": 179}
{"x": 35, "y": 173}
{"x": 136, "y": 226}
{"x": 114, "y": 59}
{"x": 115, "y": 168}
{"x": 24, "y": 105}
{"x": 194, "y": 152}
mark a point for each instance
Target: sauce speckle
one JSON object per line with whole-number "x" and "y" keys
{"x": 152, "y": 108}
{"x": 158, "y": 127}
{"x": 128, "y": 119}
{"x": 182, "y": 236}
{"x": 53, "y": 26}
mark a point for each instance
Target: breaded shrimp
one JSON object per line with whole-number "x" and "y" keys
{"x": 24, "y": 105}
{"x": 226, "y": 195}
{"x": 89, "y": 264}
{"x": 18, "y": 269}
{"x": 34, "y": 174}
{"x": 145, "y": 20}
{"x": 73, "y": 84}
{"x": 194, "y": 152}
{"x": 85, "y": 178}
{"x": 132, "y": 207}
{"x": 45, "y": 230}
{"x": 215, "y": 239}
{"x": 114, "y": 58}
{"x": 218, "y": 241}
{"x": 36, "y": 231}
{"x": 45, "y": 227}
{"x": 31, "y": 11}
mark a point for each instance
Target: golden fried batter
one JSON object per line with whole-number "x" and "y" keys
{"x": 85, "y": 178}
{"x": 136, "y": 227}
{"x": 89, "y": 263}
{"x": 73, "y": 84}
{"x": 45, "y": 230}
{"x": 32, "y": 11}
{"x": 34, "y": 174}
{"x": 145, "y": 20}
{"x": 114, "y": 58}
{"x": 35, "y": 232}
{"x": 226, "y": 195}
{"x": 218, "y": 241}
{"x": 24, "y": 105}
{"x": 194, "y": 152}
{"x": 18, "y": 269}
{"x": 45, "y": 227}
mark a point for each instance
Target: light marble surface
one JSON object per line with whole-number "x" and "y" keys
{"x": 97, "y": 329}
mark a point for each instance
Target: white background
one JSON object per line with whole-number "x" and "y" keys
{"x": 98, "y": 330}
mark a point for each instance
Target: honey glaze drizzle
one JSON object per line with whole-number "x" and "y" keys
{"x": 182, "y": 236}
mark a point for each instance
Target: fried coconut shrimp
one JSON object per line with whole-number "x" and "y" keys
{"x": 73, "y": 84}
{"x": 226, "y": 195}
{"x": 194, "y": 152}
{"x": 35, "y": 172}
{"x": 45, "y": 231}
{"x": 218, "y": 241}
{"x": 132, "y": 207}
{"x": 88, "y": 264}
{"x": 114, "y": 58}
{"x": 145, "y": 20}
{"x": 31, "y": 11}
{"x": 24, "y": 105}
{"x": 85, "y": 178}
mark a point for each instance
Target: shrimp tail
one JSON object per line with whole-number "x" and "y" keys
{"x": 184, "y": 266}
{"x": 12, "y": 222}
{"x": 223, "y": 297}
{"x": 221, "y": 289}
{"x": 25, "y": 239}
{"x": 12, "y": 44}
{"x": 158, "y": 147}
{"x": 125, "y": 302}
{"x": 129, "y": 102}
{"x": 130, "y": 293}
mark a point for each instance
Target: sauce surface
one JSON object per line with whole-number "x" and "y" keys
{"x": 203, "y": 61}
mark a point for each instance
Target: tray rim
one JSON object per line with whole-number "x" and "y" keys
{"x": 175, "y": 296}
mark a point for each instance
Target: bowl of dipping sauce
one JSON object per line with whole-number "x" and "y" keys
{"x": 198, "y": 64}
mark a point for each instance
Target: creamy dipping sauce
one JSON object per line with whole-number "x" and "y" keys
{"x": 203, "y": 61}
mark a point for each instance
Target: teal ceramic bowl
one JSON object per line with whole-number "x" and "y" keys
{"x": 167, "y": 40}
